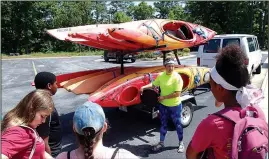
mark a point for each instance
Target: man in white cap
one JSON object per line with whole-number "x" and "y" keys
{"x": 170, "y": 83}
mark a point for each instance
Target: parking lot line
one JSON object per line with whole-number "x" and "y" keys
{"x": 34, "y": 67}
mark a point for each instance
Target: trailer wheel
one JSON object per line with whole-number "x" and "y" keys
{"x": 117, "y": 58}
{"x": 258, "y": 69}
{"x": 186, "y": 114}
{"x": 106, "y": 56}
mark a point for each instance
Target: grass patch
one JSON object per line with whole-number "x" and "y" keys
{"x": 53, "y": 54}
{"x": 152, "y": 55}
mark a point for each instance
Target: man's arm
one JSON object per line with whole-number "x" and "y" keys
{"x": 146, "y": 86}
{"x": 172, "y": 95}
{"x": 47, "y": 147}
{"x": 44, "y": 131}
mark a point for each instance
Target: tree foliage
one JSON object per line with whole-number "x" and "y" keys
{"x": 24, "y": 22}
{"x": 231, "y": 17}
{"x": 120, "y": 17}
{"x": 143, "y": 11}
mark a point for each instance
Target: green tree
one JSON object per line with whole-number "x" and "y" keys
{"x": 164, "y": 8}
{"x": 224, "y": 16}
{"x": 65, "y": 14}
{"x": 120, "y": 17}
{"x": 177, "y": 13}
{"x": 231, "y": 17}
{"x": 20, "y": 26}
{"x": 116, "y": 6}
{"x": 100, "y": 12}
{"x": 142, "y": 11}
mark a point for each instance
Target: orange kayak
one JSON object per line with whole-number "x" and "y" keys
{"x": 91, "y": 81}
{"x": 126, "y": 90}
{"x": 109, "y": 88}
{"x": 136, "y": 36}
{"x": 156, "y": 32}
{"x": 93, "y": 38}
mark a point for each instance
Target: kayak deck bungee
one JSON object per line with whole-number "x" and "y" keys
{"x": 137, "y": 35}
{"x": 128, "y": 93}
{"x": 111, "y": 89}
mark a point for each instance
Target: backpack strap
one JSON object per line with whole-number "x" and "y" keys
{"x": 229, "y": 114}
{"x": 68, "y": 155}
{"x": 34, "y": 145}
{"x": 207, "y": 153}
{"x": 115, "y": 152}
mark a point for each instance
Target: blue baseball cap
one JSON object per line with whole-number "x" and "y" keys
{"x": 89, "y": 115}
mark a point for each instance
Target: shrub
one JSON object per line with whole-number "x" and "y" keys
{"x": 186, "y": 50}
{"x": 145, "y": 55}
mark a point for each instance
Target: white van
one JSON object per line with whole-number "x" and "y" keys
{"x": 248, "y": 43}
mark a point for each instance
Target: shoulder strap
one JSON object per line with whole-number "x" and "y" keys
{"x": 68, "y": 155}
{"x": 229, "y": 114}
{"x": 209, "y": 152}
{"x": 50, "y": 120}
{"x": 33, "y": 149}
{"x": 115, "y": 152}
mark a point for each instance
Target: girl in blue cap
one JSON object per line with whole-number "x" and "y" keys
{"x": 89, "y": 125}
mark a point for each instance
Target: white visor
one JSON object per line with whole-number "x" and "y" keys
{"x": 245, "y": 96}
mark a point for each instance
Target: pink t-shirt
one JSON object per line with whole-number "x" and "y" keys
{"x": 105, "y": 154}
{"x": 214, "y": 132}
{"x": 17, "y": 143}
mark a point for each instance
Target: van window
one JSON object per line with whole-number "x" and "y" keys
{"x": 257, "y": 44}
{"x": 251, "y": 44}
{"x": 212, "y": 46}
{"x": 230, "y": 41}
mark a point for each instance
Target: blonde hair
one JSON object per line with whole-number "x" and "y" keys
{"x": 26, "y": 109}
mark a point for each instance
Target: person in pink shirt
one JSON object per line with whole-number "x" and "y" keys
{"x": 19, "y": 138}
{"x": 229, "y": 81}
{"x": 89, "y": 124}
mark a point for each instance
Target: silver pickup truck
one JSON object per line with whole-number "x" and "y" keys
{"x": 113, "y": 55}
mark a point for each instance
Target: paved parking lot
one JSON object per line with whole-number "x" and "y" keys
{"x": 134, "y": 131}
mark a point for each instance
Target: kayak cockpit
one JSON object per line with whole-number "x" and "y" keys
{"x": 178, "y": 30}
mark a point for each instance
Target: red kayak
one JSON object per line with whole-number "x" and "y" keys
{"x": 136, "y": 36}
{"x": 109, "y": 88}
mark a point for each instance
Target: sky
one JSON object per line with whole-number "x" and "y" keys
{"x": 148, "y": 2}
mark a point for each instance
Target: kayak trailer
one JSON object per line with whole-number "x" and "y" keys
{"x": 149, "y": 103}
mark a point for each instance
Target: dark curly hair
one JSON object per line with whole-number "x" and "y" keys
{"x": 42, "y": 79}
{"x": 231, "y": 65}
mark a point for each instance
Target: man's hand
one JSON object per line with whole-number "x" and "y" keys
{"x": 141, "y": 90}
{"x": 161, "y": 98}
{"x": 47, "y": 147}
{"x": 145, "y": 87}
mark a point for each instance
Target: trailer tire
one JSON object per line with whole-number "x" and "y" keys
{"x": 186, "y": 114}
{"x": 258, "y": 69}
{"x": 106, "y": 58}
{"x": 118, "y": 59}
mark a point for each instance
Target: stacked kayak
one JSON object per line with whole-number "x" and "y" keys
{"x": 109, "y": 88}
{"x": 135, "y": 36}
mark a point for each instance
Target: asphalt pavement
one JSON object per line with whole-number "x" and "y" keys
{"x": 134, "y": 130}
